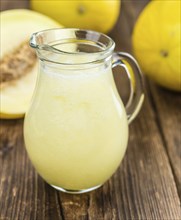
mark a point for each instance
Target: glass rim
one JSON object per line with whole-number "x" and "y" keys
{"x": 106, "y": 50}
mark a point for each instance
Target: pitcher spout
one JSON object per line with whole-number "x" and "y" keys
{"x": 33, "y": 42}
{"x": 41, "y": 46}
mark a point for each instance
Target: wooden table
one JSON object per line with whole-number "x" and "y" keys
{"x": 146, "y": 186}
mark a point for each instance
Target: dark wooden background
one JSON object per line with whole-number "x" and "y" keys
{"x": 146, "y": 186}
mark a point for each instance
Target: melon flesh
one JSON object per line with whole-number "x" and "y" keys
{"x": 17, "y": 27}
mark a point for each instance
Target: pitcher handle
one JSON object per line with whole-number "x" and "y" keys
{"x": 134, "y": 74}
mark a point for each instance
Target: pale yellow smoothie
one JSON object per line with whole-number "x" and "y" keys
{"x": 76, "y": 130}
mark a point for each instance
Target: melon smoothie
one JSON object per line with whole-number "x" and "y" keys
{"x": 76, "y": 129}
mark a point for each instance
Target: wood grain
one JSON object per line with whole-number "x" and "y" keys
{"x": 146, "y": 185}
{"x": 23, "y": 194}
{"x": 167, "y": 107}
{"x": 13, "y": 4}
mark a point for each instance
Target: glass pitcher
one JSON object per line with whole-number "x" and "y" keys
{"x": 76, "y": 129}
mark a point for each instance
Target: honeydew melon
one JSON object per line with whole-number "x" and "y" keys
{"x": 18, "y": 62}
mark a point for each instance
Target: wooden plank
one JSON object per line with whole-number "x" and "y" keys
{"x": 13, "y": 4}
{"x": 23, "y": 195}
{"x": 167, "y": 107}
{"x": 121, "y": 33}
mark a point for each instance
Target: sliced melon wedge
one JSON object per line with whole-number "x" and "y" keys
{"x": 18, "y": 69}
